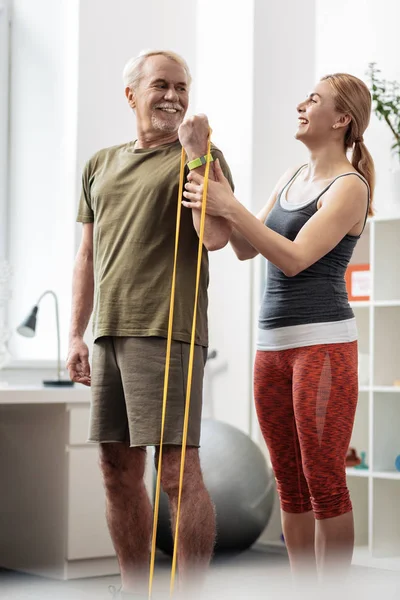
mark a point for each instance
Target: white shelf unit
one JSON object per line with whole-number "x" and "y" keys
{"x": 376, "y": 492}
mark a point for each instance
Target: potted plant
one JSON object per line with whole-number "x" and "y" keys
{"x": 386, "y": 106}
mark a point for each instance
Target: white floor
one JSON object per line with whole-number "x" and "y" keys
{"x": 254, "y": 575}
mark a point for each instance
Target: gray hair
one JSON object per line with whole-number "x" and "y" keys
{"x": 133, "y": 69}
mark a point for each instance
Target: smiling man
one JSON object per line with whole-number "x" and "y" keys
{"x": 123, "y": 270}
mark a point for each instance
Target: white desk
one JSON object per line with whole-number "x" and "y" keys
{"x": 52, "y": 508}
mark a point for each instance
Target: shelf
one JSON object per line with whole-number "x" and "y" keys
{"x": 363, "y": 558}
{"x": 379, "y": 303}
{"x": 353, "y": 472}
{"x": 383, "y": 218}
{"x": 360, "y": 304}
{"x": 387, "y": 303}
{"x": 365, "y": 473}
{"x": 386, "y": 475}
{"x": 387, "y": 389}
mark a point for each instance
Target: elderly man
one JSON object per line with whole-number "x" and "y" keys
{"x": 124, "y": 267}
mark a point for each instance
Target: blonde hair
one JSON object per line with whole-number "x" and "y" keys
{"x": 352, "y": 96}
{"x": 133, "y": 69}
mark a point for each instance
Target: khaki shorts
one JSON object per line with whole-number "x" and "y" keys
{"x": 127, "y": 391}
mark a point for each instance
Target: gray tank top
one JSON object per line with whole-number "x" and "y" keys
{"x": 317, "y": 294}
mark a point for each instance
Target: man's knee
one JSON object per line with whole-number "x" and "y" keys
{"x": 171, "y": 469}
{"x": 122, "y": 467}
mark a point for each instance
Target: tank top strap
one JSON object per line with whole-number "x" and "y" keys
{"x": 293, "y": 177}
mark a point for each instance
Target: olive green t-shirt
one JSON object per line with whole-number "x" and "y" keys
{"x": 131, "y": 196}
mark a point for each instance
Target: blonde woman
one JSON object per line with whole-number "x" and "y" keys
{"x": 305, "y": 373}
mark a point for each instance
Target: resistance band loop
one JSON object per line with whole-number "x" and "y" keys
{"x": 190, "y": 368}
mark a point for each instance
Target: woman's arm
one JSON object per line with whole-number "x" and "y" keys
{"x": 344, "y": 206}
{"x": 241, "y": 246}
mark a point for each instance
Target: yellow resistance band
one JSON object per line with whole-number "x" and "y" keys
{"x": 190, "y": 368}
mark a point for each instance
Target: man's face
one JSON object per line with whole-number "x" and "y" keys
{"x": 161, "y": 98}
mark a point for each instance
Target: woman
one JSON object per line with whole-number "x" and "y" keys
{"x": 305, "y": 375}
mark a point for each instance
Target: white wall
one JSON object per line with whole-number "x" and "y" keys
{"x": 349, "y": 35}
{"x": 225, "y": 93}
{"x": 110, "y": 34}
{"x": 41, "y": 229}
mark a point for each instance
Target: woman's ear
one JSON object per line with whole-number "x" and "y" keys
{"x": 342, "y": 121}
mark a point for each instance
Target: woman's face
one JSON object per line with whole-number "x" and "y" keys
{"x": 317, "y": 115}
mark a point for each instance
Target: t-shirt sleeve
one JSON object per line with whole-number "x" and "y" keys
{"x": 85, "y": 209}
{"x": 224, "y": 166}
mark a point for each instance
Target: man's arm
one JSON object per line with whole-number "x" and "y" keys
{"x": 82, "y": 306}
{"x": 193, "y": 134}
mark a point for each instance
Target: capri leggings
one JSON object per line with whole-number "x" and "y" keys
{"x": 306, "y": 400}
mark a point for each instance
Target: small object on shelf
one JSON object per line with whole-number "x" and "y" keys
{"x": 358, "y": 282}
{"x": 397, "y": 463}
{"x": 352, "y": 459}
{"x": 396, "y": 383}
{"x": 363, "y": 464}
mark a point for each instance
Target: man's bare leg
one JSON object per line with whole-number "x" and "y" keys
{"x": 129, "y": 512}
{"x": 197, "y": 526}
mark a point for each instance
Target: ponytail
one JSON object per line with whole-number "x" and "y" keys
{"x": 363, "y": 163}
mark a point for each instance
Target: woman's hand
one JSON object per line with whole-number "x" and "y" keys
{"x": 220, "y": 198}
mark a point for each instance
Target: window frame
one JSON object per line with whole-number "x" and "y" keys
{"x": 4, "y": 123}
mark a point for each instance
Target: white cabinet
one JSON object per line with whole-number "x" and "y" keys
{"x": 52, "y": 501}
{"x": 87, "y": 535}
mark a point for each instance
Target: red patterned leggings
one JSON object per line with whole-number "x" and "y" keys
{"x": 306, "y": 400}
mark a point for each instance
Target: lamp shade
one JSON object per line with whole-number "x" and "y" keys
{"x": 28, "y": 326}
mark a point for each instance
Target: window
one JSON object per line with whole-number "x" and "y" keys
{"x": 4, "y": 79}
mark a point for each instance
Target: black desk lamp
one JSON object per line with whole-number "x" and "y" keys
{"x": 28, "y": 329}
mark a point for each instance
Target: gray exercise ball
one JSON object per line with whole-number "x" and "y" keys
{"x": 240, "y": 484}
